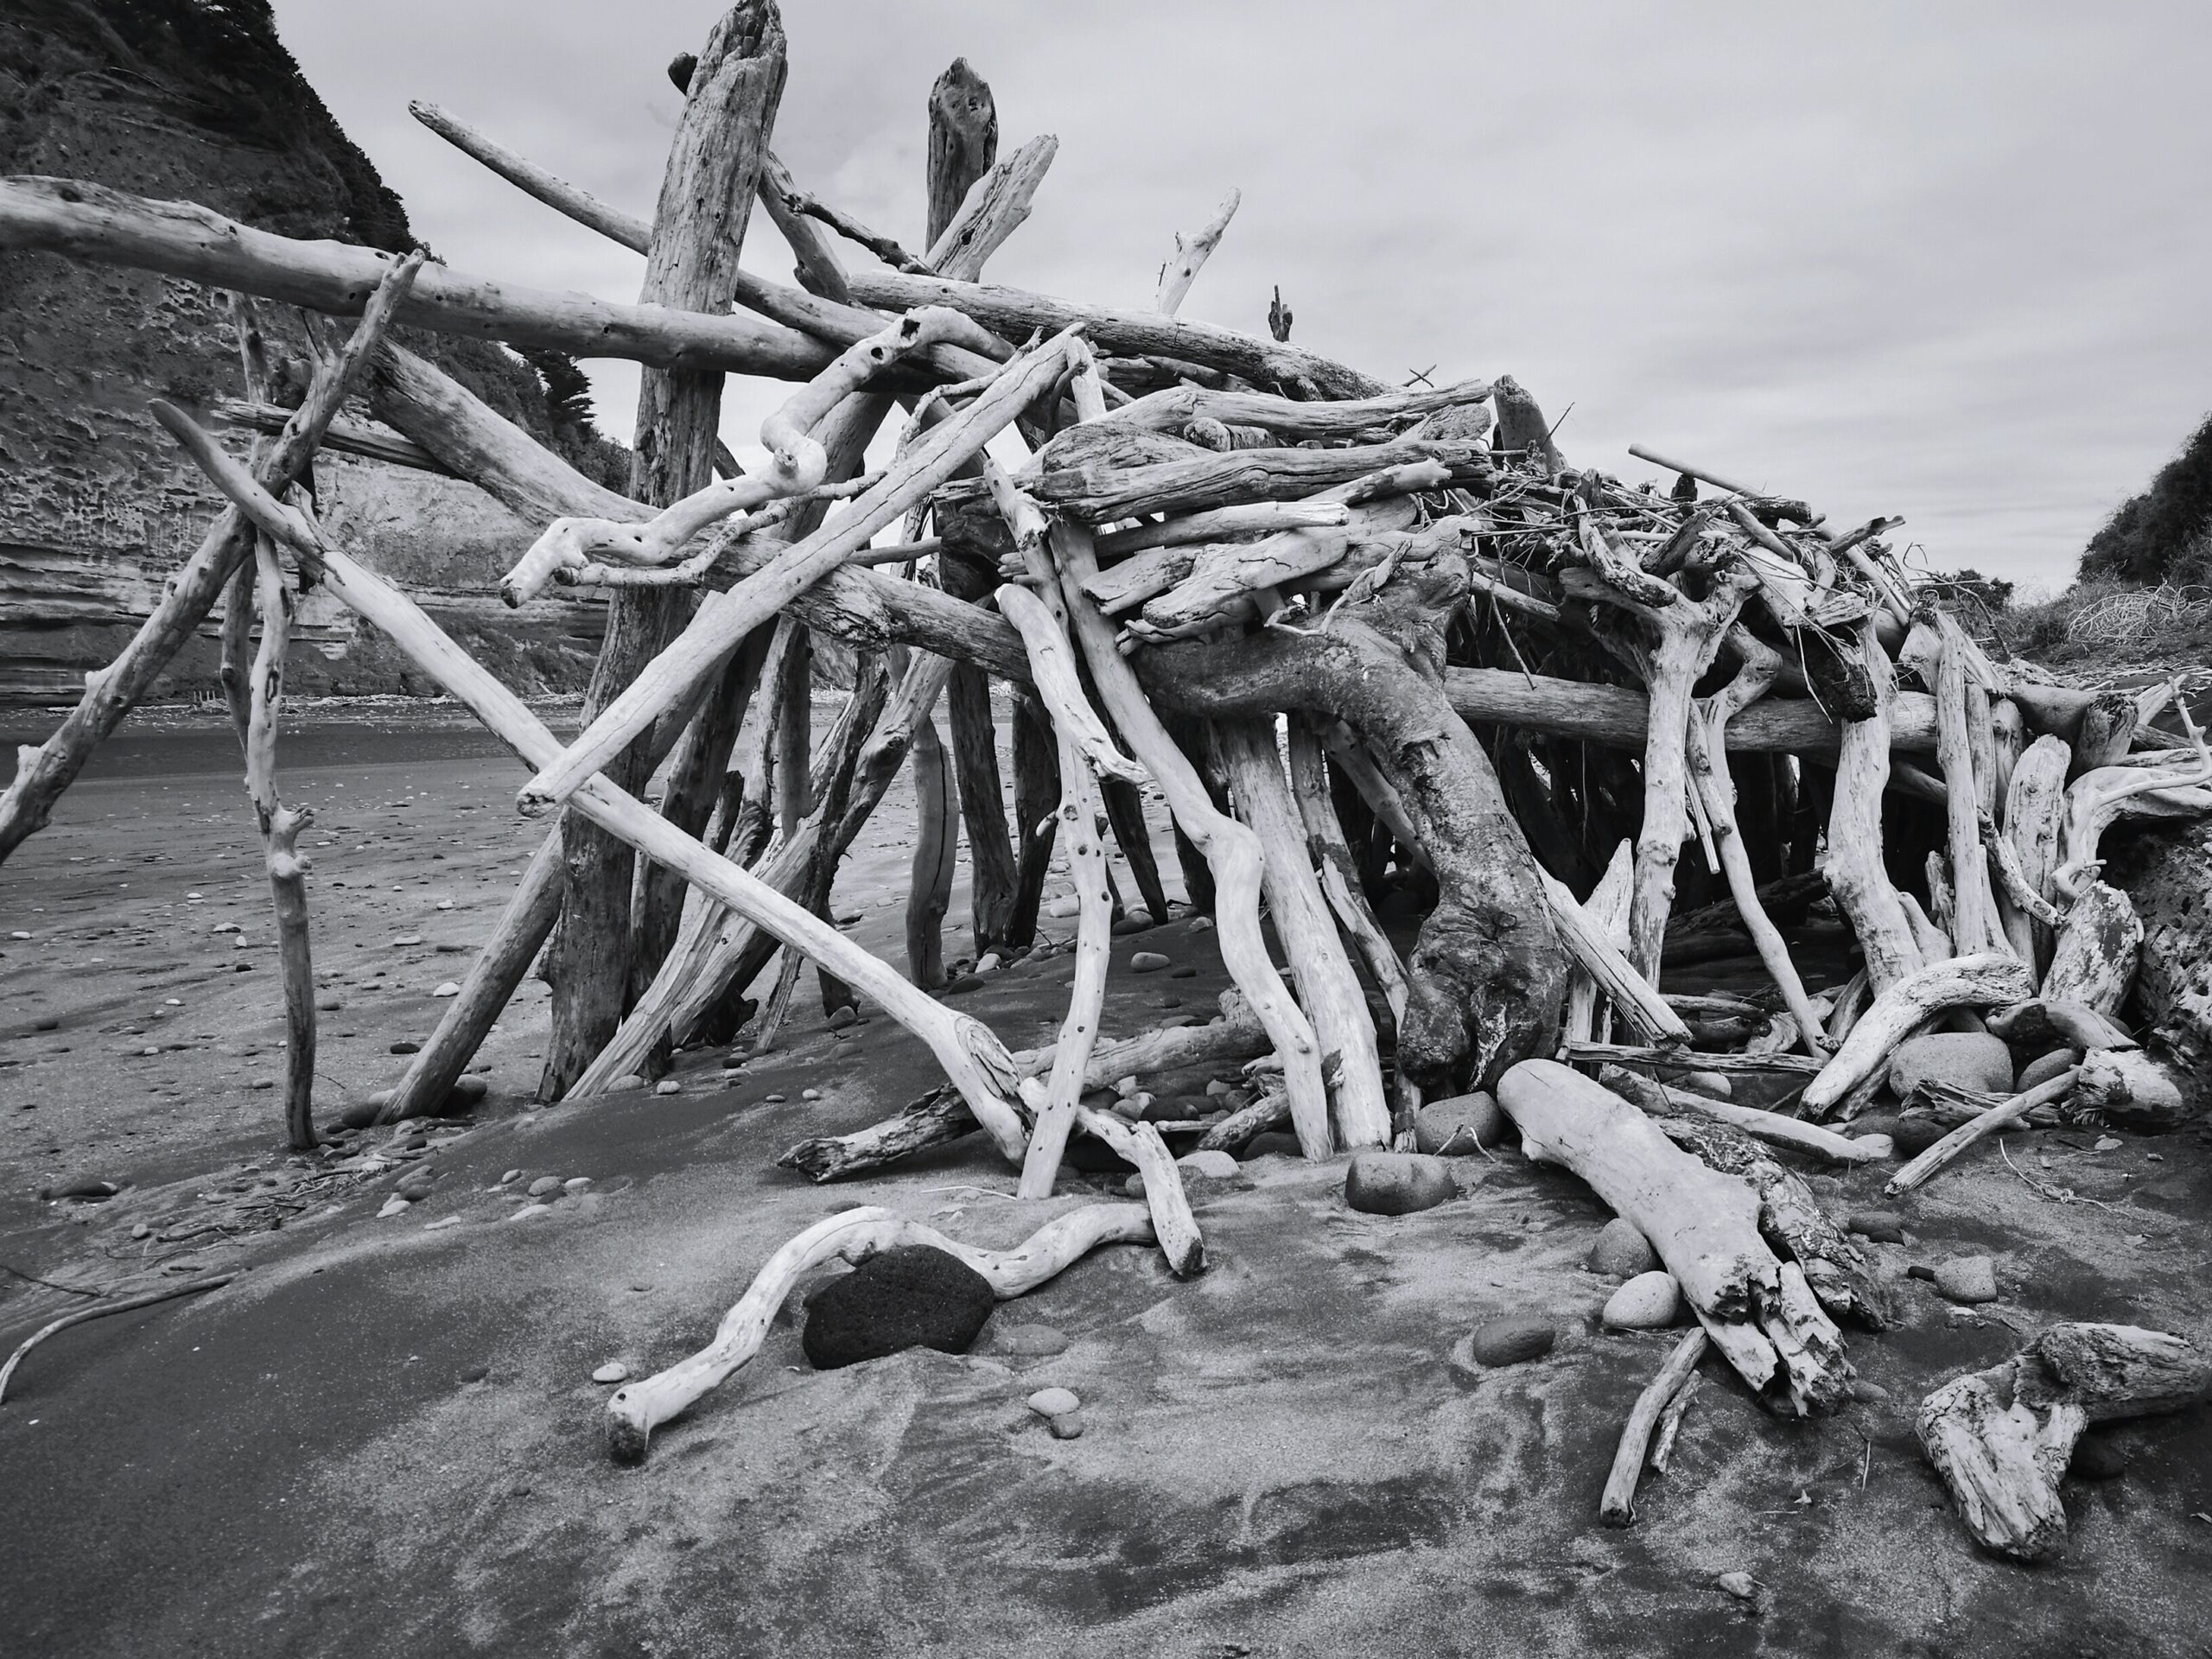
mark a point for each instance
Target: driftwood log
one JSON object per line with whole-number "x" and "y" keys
{"x": 2000, "y": 1439}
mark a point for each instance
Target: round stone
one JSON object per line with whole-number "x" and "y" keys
{"x": 1651, "y": 1301}
{"x": 1028, "y": 1341}
{"x": 1398, "y": 1183}
{"x": 1966, "y": 1059}
{"x": 668, "y": 1086}
{"x": 450, "y": 987}
{"x": 543, "y": 1184}
{"x": 1915, "y": 1134}
{"x": 1148, "y": 962}
{"x": 613, "y": 1371}
{"x": 1621, "y": 1251}
{"x": 1880, "y": 1226}
{"x": 844, "y": 1015}
{"x": 1214, "y": 1166}
{"x": 1713, "y": 1086}
{"x": 1459, "y": 1125}
{"x": 1068, "y": 1425}
{"x": 1967, "y": 1279}
{"x": 1510, "y": 1341}
{"x": 1053, "y": 1402}
{"x": 2044, "y": 1067}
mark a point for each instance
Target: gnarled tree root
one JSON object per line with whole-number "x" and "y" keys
{"x": 636, "y": 1410}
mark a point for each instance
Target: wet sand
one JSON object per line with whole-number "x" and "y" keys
{"x": 382, "y": 1436}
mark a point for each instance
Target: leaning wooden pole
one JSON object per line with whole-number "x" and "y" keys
{"x": 973, "y": 1058}
{"x": 43, "y": 772}
{"x": 706, "y": 191}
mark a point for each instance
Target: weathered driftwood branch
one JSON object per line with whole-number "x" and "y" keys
{"x": 708, "y": 183}
{"x": 1974, "y": 928}
{"x": 1992, "y": 979}
{"x": 634, "y": 1410}
{"x": 1684, "y": 637}
{"x": 1644, "y": 1010}
{"x": 1759, "y": 1311}
{"x": 1706, "y": 735}
{"x": 797, "y": 464}
{"x": 179, "y": 238}
{"x": 2001, "y": 1437}
{"x": 1791, "y": 1219}
{"x": 2003, "y": 1115}
{"x": 1328, "y": 990}
{"x": 1077, "y": 482}
{"x": 1179, "y": 272}
{"x": 1231, "y": 851}
{"x": 1605, "y": 916}
{"x": 1017, "y": 313}
{"x": 1770, "y": 1126}
{"x": 1086, "y": 753}
{"x": 727, "y": 619}
{"x": 1487, "y": 973}
{"x": 1852, "y": 863}
{"x": 1617, "y": 1507}
{"x": 280, "y": 828}
{"x": 44, "y": 771}
{"x": 1290, "y": 419}
{"x": 100, "y": 1310}
{"x": 941, "y": 1116}
{"x": 555, "y": 191}
{"x": 1337, "y": 871}
{"x": 972, "y": 1057}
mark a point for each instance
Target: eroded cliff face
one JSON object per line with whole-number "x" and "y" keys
{"x": 198, "y": 99}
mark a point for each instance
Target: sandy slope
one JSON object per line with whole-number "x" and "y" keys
{"x": 383, "y": 1438}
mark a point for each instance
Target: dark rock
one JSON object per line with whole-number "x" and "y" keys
{"x": 914, "y": 1296}
{"x": 1879, "y": 1225}
{"x": 1398, "y": 1183}
{"x": 80, "y": 1186}
{"x": 476, "y": 1374}
{"x": 2044, "y": 1067}
{"x": 1914, "y": 1135}
{"x": 1177, "y": 1108}
{"x": 361, "y": 1115}
{"x": 1917, "y": 1271}
{"x": 1511, "y": 1340}
{"x": 466, "y": 1092}
{"x": 1094, "y": 1157}
{"x": 845, "y": 1015}
{"x": 965, "y": 984}
{"x": 46, "y": 1025}
{"x": 1182, "y": 973}
{"x": 2098, "y": 1457}
{"x": 1274, "y": 1140}
{"x": 1136, "y": 921}
{"x": 406, "y": 1047}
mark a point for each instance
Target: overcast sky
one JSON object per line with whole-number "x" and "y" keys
{"x": 1947, "y": 261}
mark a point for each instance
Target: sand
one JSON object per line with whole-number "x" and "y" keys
{"x": 384, "y": 1436}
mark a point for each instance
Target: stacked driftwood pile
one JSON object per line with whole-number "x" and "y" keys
{"x": 1374, "y": 645}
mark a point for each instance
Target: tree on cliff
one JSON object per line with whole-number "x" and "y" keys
{"x": 2166, "y": 533}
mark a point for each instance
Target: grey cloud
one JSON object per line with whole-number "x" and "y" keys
{"x": 1942, "y": 261}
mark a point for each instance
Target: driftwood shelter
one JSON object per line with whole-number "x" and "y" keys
{"x": 1498, "y": 744}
